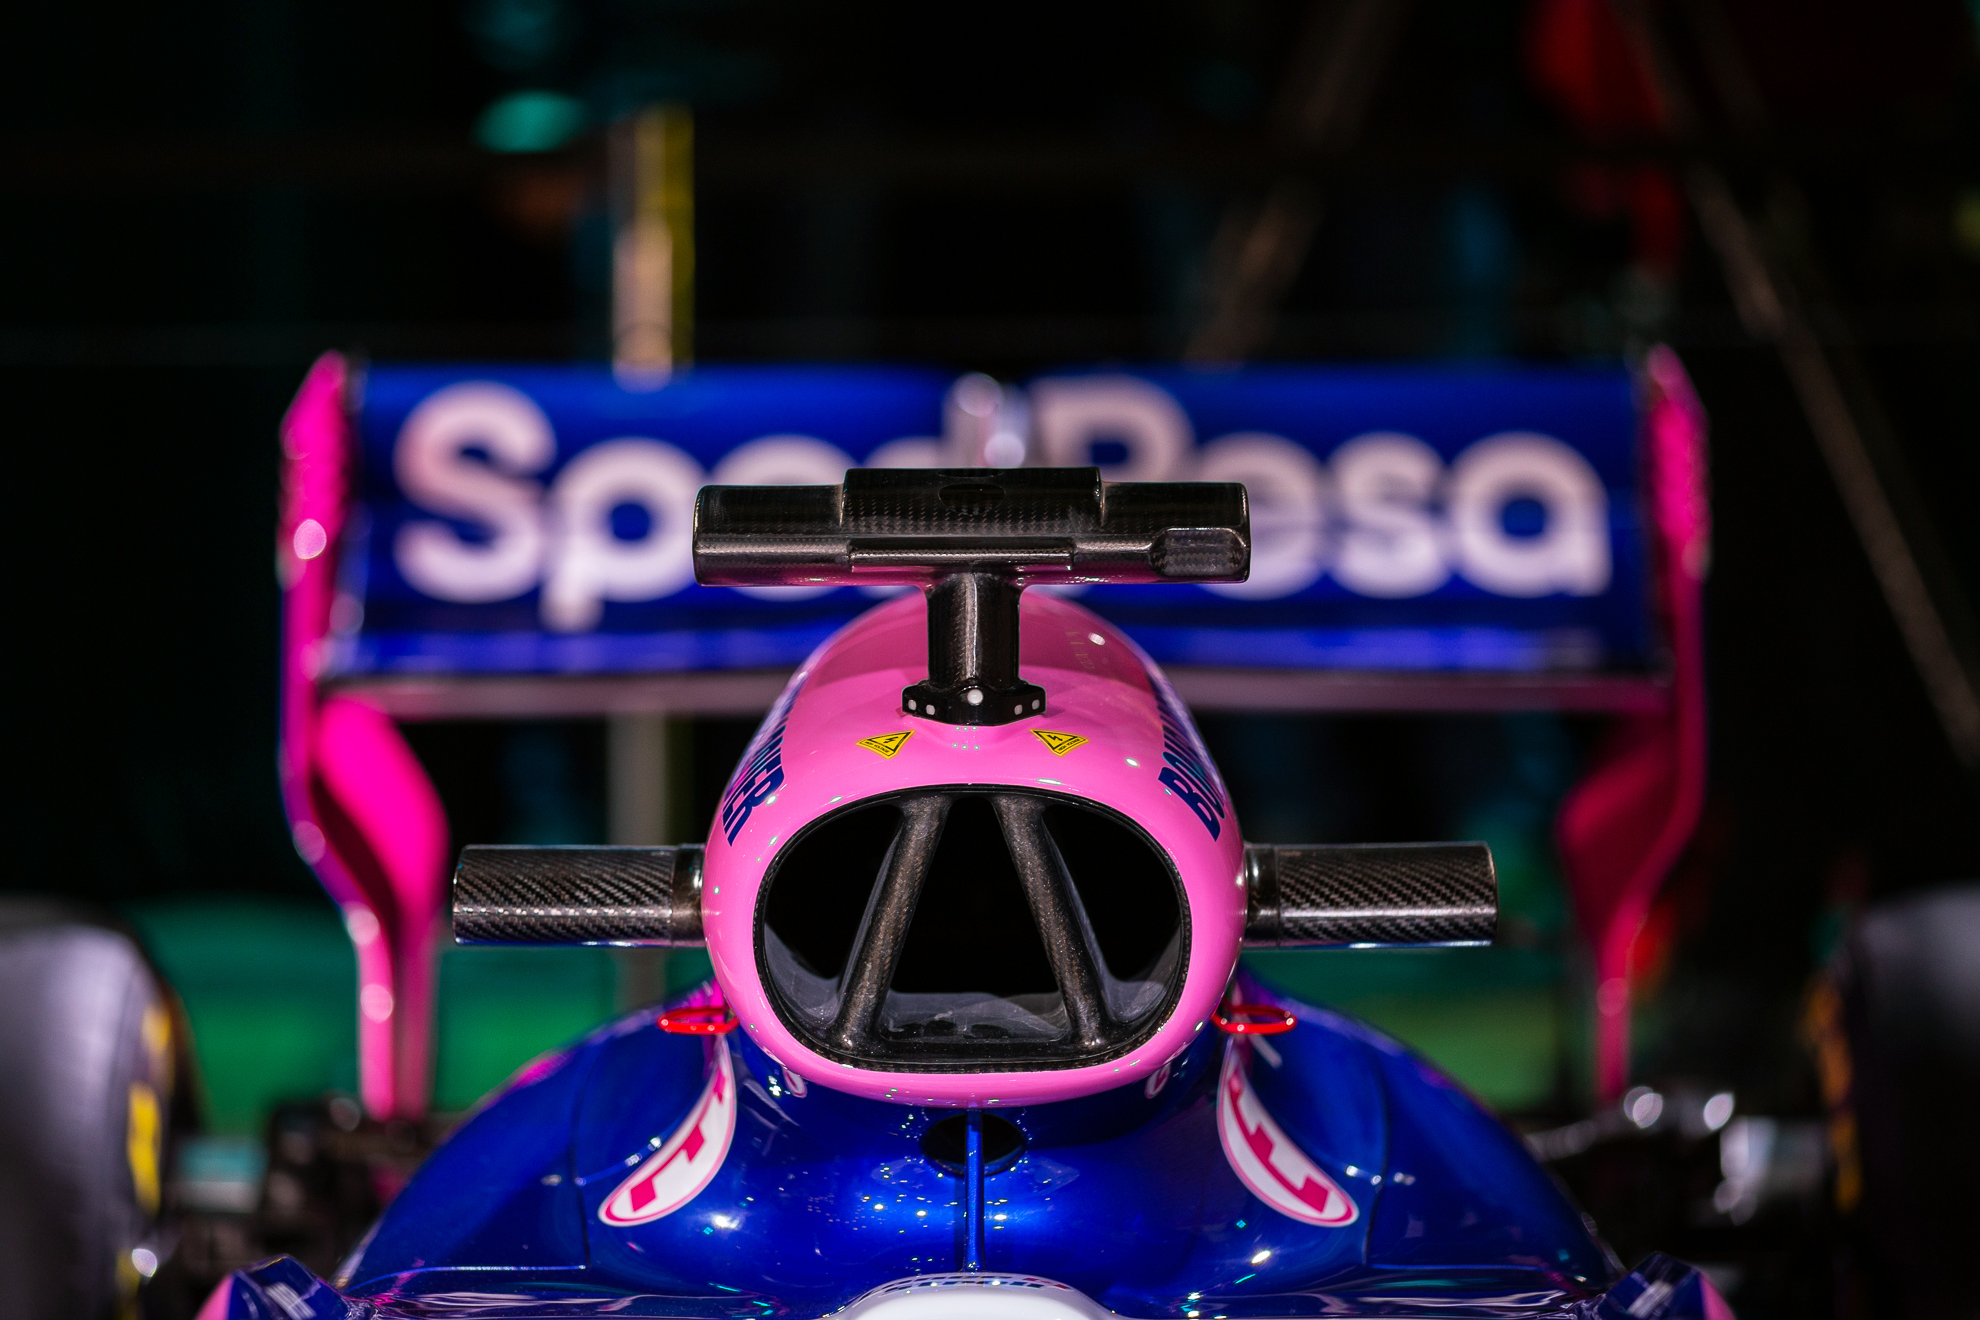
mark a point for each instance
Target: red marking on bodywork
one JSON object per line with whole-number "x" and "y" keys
{"x": 1253, "y": 1019}
{"x": 699, "y": 1020}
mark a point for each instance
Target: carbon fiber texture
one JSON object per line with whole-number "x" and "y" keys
{"x": 518, "y": 895}
{"x": 973, "y": 538}
{"x": 1197, "y": 553}
{"x": 1402, "y": 893}
{"x": 972, "y": 502}
{"x": 916, "y": 526}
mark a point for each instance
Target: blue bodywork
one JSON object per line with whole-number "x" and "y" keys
{"x": 1126, "y": 1196}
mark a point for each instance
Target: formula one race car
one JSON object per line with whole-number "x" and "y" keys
{"x": 976, "y": 1044}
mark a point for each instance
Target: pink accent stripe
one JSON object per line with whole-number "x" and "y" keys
{"x": 363, "y": 813}
{"x": 1624, "y": 826}
{"x": 215, "y": 1306}
{"x": 677, "y": 1173}
{"x": 1715, "y": 1305}
{"x": 1267, "y": 1161}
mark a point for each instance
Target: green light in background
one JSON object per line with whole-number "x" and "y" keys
{"x": 529, "y": 121}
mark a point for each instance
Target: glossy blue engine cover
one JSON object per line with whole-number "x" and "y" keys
{"x": 1127, "y": 1196}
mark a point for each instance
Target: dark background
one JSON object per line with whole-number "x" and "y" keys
{"x": 197, "y": 199}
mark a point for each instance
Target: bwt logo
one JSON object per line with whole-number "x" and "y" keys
{"x": 1515, "y": 514}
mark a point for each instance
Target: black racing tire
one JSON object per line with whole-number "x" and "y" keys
{"x": 87, "y": 1057}
{"x": 1910, "y": 986}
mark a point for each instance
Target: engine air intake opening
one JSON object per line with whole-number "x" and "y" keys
{"x": 972, "y": 928}
{"x": 956, "y": 930}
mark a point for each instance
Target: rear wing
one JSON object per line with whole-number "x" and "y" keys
{"x": 1425, "y": 538}
{"x": 514, "y": 542}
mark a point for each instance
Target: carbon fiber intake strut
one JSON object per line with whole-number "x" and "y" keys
{"x": 973, "y": 539}
{"x": 1369, "y": 893}
{"x": 523, "y": 895}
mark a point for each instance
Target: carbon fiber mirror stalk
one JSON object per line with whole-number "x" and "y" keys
{"x": 583, "y": 895}
{"x": 1306, "y": 896}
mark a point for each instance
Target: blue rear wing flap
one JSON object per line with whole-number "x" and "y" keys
{"x": 1423, "y": 537}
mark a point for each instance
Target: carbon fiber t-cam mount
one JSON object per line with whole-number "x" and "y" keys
{"x": 972, "y": 539}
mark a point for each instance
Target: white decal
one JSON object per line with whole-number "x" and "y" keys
{"x": 783, "y": 460}
{"x": 590, "y": 563}
{"x": 677, "y": 1172}
{"x": 974, "y": 1296}
{"x": 1570, "y": 552}
{"x": 1267, "y": 1162}
{"x": 1390, "y": 545}
{"x": 1287, "y": 487}
{"x": 1383, "y": 515}
{"x": 914, "y": 451}
{"x": 1073, "y": 414}
{"x": 436, "y": 471}
{"x": 984, "y": 424}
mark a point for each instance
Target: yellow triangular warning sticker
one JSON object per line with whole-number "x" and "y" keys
{"x": 886, "y": 744}
{"x": 1060, "y": 743}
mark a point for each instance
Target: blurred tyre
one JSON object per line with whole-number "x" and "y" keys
{"x": 86, "y": 1072}
{"x": 1901, "y": 1072}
